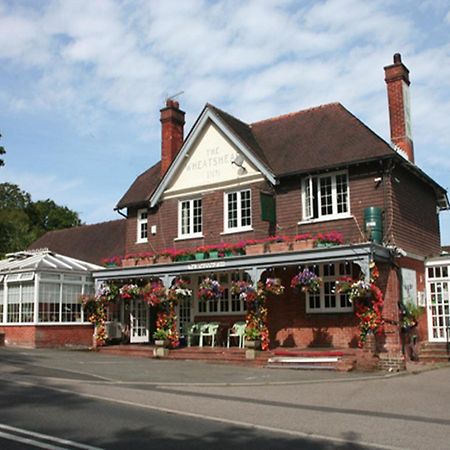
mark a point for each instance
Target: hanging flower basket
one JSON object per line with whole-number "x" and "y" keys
{"x": 306, "y": 281}
{"x": 154, "y": 292}
{"x": 210, "y": 289}
{"x": 179, "y": 291}
{"x": 129, "y": 291}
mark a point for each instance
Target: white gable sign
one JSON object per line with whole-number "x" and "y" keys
{"x": 209, "y": 165}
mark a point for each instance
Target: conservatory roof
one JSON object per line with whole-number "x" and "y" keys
{"x": 43, "y": 259}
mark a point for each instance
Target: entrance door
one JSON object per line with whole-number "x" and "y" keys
{"x": 139, "y": 321}
{"x": 184, "y": 314}
{"x": 438, "y": 311}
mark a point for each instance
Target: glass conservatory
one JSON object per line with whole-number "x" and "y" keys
{"x": 40, "y": 302}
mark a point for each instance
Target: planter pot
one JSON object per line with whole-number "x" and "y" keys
{"x": 145, "y": 261}
{"x": 254, "y": 345}
{"x": 279, "y": 247}
{"x": 129, "y": 262}
{"x": 325, "y": 244}
{"x": 162, "y": 343}
{"x": 213, "y": 254}
{"x": 227, "y": 253}
{"x": 162, "y": 259}
{"x": 110, "y": 265}
{"x": 255, "y": 249}
{"x": 199, "y": 256}
{"x": 307, "y": 244}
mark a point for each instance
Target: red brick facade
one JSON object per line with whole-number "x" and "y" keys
{"x": 41, "y": 336}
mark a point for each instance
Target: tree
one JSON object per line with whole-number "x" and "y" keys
{"x": 2, "y": 152}
{"x": 22, "y": 221}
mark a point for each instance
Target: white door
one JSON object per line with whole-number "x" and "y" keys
{"x": 438, "y": 308}
{"x": 184, "y": 313}
{"x": 139, "y": 321}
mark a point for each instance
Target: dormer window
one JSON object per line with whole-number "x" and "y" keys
{"x": 190, "y": 218}
{"x": 142, "y": 226}
{"x": 326, "y": 197}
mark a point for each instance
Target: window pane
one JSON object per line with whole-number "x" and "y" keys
{"x": 197, "y": 226}
{"x": 13, "y": 303}
{"x": 232, "y": 210}
{"x": 326, "y": 196}
{"x": 71, "y": 303}
{"x": 246, "y": 210}
{"x": 341, "y": 193}
{"x": 48, "y": 302}
{"x": 185, "y": 218}
{"x": 27, "y": 314}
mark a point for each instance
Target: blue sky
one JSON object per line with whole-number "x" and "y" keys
{"x": 82, "y": 82}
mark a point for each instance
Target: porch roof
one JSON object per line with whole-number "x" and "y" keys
{"x": 358, "y": 253}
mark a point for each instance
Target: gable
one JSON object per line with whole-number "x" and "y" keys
{"x": 209, "y": 165}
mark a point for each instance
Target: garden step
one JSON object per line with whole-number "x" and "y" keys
{"x": 303, "y": 362}
{"x": 300, "y": 367}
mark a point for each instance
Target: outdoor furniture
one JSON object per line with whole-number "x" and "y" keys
{"x": 209, "y": 330}
{"x": 192, "y": 331}
{"x": 236, "y": 331}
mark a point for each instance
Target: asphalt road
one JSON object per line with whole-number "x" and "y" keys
{"x": 86, "y": 400}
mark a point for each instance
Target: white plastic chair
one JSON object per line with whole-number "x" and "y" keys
{"x": 236, "y": 331}
{"x": 209, "y": 330}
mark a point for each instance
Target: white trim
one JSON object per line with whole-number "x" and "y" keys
{"x": 239, "y": 228}
{"x": 190, "y": 235}
{"x": 139, "y": 222}
{"x": 309, "y": 218}
{"x": 206, "y": 115}
{"x": 327, "y": 219}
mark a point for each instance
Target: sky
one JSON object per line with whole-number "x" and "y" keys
{"x": 82, "y": 81}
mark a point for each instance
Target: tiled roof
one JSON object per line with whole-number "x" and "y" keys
{"x": 142, "y": 188}
{"x": 319, "y": 138}
{"x": 89, "y": 243}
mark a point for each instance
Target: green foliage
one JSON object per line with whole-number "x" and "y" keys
{"x": 22, "y": 221}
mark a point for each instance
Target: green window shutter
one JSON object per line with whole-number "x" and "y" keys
{"x": 268, "y": 209}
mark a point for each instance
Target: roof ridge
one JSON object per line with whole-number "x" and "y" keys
{"x": 294, "y": 113}
{"x": 83, "y": 226}
{"x": 227, "y": 114}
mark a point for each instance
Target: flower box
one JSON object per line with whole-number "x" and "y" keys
{"x": 128, "y": 262}
{"x": 306, "y": 244}
{"x": 147, "y": 261}
{"x": 199, "y": 256}
{"x": 278, "y": 247}
{"x": 325, "y": 244}
{"x": 164, "y": 259}
{"x": 255, "y": 249}
{"x": 213, "y": 254}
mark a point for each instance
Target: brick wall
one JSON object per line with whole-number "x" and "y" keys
{"x": 415, "y": 221}
{"x": 48, "y": 336}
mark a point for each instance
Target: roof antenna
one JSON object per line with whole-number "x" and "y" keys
{"x": 174, "y": 96}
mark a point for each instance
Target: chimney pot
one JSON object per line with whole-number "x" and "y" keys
{"x": 397, "y": 58}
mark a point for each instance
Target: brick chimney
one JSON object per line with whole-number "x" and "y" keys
{"x": 397, "y": 81}
{"x": 172, "y": 126}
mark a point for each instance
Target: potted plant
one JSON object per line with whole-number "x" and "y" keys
{"x": 166, "y": 255}
{"x": 213, "y": 251}
{"x": 201, "y": 252}
{"x": 161, "y": 338}
{"x": 238, "y": 249}
{"x": 252, "y": 338}
{"x": 306, "y": 281}
{"x": 278, "y": 244}
{"x": 225, "y": 250}
{"x": 145, "y": 259}
{"x": 113, "y": 261}
{"x": 302, "y": 242}
{"x": 328, "y": 239}
{"x": 129, "y": 260}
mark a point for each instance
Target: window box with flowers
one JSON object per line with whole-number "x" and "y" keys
{"x": 278, "y": 244}
{"x": 255, "y": 247}
{"x": 328, "y": 239}
{"x": 302, "y": 242}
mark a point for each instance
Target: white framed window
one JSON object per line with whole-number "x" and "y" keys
{"x": 190, "y": 220}
{"x": 142, "y": 226}
{"x": 238, "y": 211}
{"x": 20, "y": 303}
{"x": 228, "y": 304}
{"x": 327, "y": 299}
{"x": 326, "y": 196}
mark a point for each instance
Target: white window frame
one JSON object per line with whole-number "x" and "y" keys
{"x": 142, "y": 221}
{"x": 240, "y": 227}
{"x": 322, "y": 309}
{"x": 307, "y": 205}
{"x": 190, "y": 234}
{"x": 208, "y": 307}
